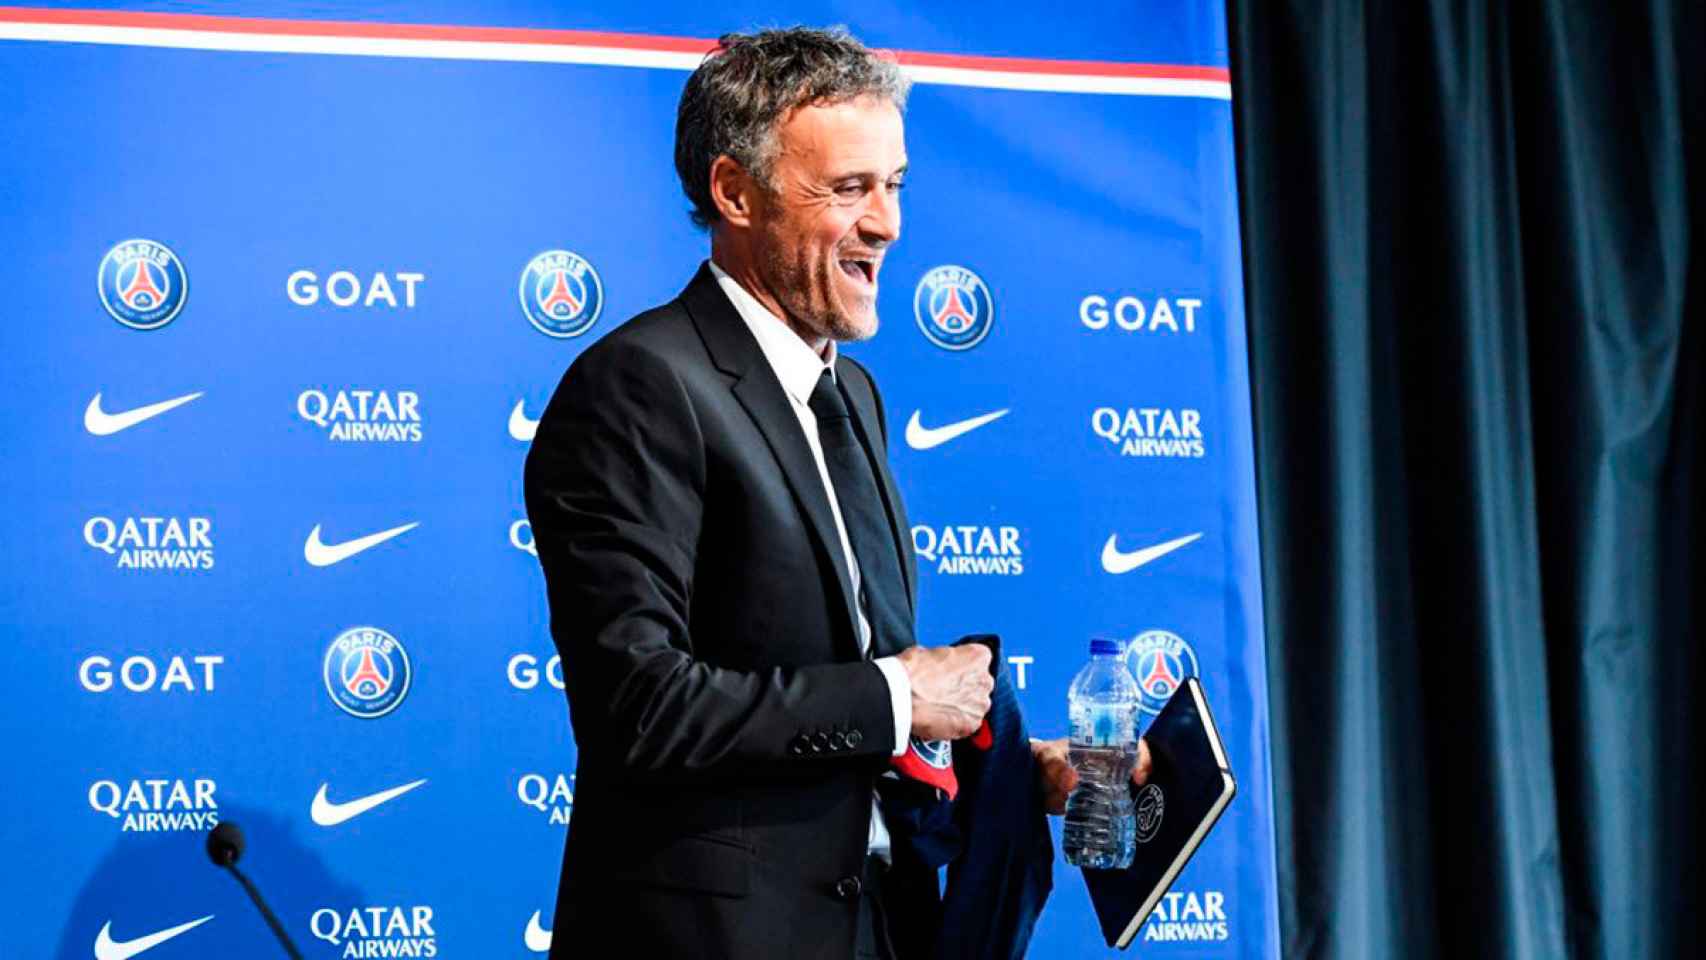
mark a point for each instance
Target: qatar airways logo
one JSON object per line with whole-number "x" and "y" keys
{"x": 1189, "y": 917}
{"x": 361, "y": 933}
{"x": 970, "y": 550}
{"x": 1160, "y": 315}
{"x": 363, "y": 416}
{"x": 153, "y": 543}
{"x": 521, "y": 537}
{"x": 551, "y": 795}
{"x": 1151, "y": 431}
{"x": 156, "y": 806}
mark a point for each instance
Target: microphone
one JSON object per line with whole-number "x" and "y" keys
{"x": 224, "y": 846}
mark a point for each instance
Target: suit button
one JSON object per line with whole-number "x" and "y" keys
{"x": 854, "y": 738}
{"x": 864, "y": 598}
{"x": 820, "y": 742}
{"x": 848, "y": 887}
{"x": 798, "y": 745}
{"x": 838, "y": 740}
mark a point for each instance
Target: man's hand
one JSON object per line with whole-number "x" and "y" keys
{"x": 1057, "y": 778}
{"x": 950, "y": 689}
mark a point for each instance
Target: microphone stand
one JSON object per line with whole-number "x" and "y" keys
{"x": 266, "y": 912}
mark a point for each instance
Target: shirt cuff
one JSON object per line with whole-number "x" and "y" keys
{"x": 900, "y": 696}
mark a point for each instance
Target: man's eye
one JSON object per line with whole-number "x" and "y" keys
{"x": 897, "y": 186}
{"x": 850, "y": 189}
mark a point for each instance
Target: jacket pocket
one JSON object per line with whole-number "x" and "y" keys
{"x": 700, "y": 863}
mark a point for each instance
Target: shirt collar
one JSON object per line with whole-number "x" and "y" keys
{"x": 797, "y": 365}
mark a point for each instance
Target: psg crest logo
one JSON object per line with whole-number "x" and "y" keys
{"x": 1160, "y": 661}
{"x": 953, "y": 308}
{"x": 561, "y": 294}
{"x": 1151, "y": 807}
{"x": 367, "y": 672}
{"x": 936, "y": 753}
{"x": 142, "y": 284}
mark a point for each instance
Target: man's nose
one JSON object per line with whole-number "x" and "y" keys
{"x": 880, "y": 225}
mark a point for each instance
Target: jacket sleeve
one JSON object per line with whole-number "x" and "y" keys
{"x": 615, "y": 489}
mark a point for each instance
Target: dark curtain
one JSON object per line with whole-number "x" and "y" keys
{"x": 1474, "y": 249}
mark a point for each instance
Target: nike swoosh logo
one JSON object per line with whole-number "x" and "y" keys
{"x": 1115, "y": 560}
{"x": 521, "y": 426}
{"x": 325, "y": 554}
{"x": 106, "y": 948}
{"x": 328, "y": 814}
{"x": 537, "y": 938}
{"x": 101, "y": 424}
{"x": 920, "y": 437}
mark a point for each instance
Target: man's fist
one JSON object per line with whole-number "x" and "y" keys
{"x": 1058, "y": 779}
{"x": 950, "y": 689}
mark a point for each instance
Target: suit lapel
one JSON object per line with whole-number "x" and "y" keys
{"x": 734, "y": 351}
{"x": 865, "y": 419}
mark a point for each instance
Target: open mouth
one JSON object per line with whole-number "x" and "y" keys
{"x": 861, "y": 270}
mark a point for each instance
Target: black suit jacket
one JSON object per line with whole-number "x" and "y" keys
{"x": 729, "y": 731}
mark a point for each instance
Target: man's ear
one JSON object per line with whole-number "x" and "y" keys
{"x": 734, "y": 191}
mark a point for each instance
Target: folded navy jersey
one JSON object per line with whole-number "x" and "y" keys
{"x": 992, "y": 834}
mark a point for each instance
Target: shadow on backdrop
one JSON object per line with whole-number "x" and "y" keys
{"x": 151, "y": 882}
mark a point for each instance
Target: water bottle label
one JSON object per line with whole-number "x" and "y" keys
{"x": 1109, "y": 725}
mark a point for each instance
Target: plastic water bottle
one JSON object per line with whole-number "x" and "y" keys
{"x": 1101, "y": 826}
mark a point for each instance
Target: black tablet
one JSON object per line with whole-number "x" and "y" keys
{"x": 1190, "y": 784}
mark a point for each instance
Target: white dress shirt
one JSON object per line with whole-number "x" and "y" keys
{"x": 798, "y": 367}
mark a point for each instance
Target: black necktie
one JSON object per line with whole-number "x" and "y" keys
{"x": 882, "y": 592}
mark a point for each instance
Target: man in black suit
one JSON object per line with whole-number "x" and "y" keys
{"x": 727, "y": 557}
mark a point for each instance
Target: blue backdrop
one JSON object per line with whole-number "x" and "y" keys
{"x": 273, "y": 375}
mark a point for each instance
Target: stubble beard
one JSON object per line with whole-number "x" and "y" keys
{"x": 794, "y": 285}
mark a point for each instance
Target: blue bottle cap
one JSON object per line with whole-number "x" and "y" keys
{"x": 1102, "y": 645}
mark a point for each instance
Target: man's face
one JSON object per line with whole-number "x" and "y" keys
{"x": 832, "y": 211}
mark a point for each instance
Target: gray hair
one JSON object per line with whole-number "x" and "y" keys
{"x": 750, "y": 82}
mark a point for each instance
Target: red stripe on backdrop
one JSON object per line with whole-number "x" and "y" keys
{"x": 572, "y": 38}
